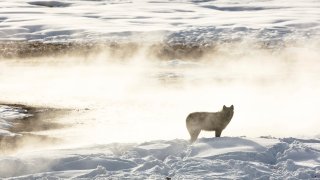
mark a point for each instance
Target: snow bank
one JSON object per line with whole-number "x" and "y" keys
{"x": 226, "y": 157}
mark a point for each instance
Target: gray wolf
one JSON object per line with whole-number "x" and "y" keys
{"x": 208, "y": 121}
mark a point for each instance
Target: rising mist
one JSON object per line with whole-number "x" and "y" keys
{"x": 145, "y": 96}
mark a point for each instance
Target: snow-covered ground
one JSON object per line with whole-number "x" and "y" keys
{"x": 64, "y": 20}
{"x": 129, "y": 116}
{"x": 208, "y": 158}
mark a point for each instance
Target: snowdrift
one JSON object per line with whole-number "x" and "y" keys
{"x": 208, "y": 158}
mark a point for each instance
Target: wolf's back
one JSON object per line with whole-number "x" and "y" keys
{"x": 195, "y": 117}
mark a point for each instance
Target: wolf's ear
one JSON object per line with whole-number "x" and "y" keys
{"x": 224, "y": 107}
{"x": 232, "y": 107}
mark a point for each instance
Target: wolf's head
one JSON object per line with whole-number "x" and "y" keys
{"x": 227, "y": 113}
{"x": 228, "y": 110}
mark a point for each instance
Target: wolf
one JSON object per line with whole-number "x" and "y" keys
{"x": 208, "y": 121}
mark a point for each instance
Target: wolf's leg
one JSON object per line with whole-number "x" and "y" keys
{"x": 194, "y": 135}
{"x": 218, "y": 133}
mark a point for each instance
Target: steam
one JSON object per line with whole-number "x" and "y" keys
{"x": 143, "y": 98}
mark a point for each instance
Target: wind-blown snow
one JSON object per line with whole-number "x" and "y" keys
{"x": 63, "y": 20}
{"x": 221, "y": 158}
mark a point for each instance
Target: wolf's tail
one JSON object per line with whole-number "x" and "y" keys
{"x": 193, "y": 128}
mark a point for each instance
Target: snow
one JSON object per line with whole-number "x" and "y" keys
{"x": 222, "y": 158}
{"x": 136, "y": 154}
{"x": 226, "y": 157}
{"x": 49, "y": 3}
{"x": 85, "y": 20}
{"x": 8, "y": 114}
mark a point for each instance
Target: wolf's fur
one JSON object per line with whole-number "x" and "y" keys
{"x": 207, "y": 121}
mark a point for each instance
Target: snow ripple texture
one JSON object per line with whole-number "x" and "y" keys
{"x": 190, "y": 21}
{"x": 208, "y": 158}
